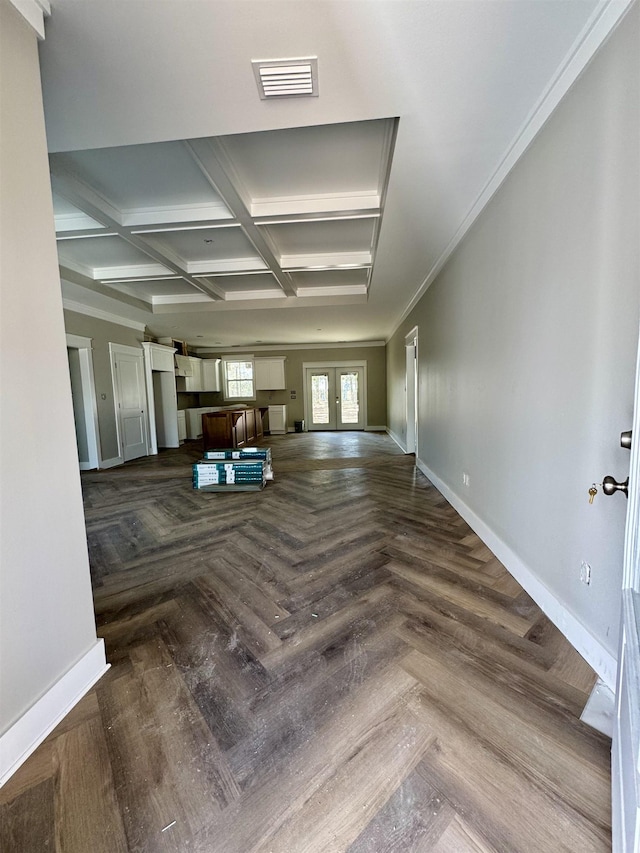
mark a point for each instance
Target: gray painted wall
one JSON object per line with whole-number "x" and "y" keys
{"x": 527, "y": 343}
{"x": 46, "y": 610}
{"x": 376, "y": 380}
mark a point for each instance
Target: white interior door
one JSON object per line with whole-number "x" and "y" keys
{"x": 626, "y": 734}
{"x": 334, "y": 398}
{"x": 130, "y": 392}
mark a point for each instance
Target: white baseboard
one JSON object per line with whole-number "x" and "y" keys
{"x": 600, "y": 710}
{"x": 598, "y": 658}
{"x": 111, "y": 463}
{"x": 399, "y": 442}
{"x": 375, "y": 429}
{"x": 27, "y": 733}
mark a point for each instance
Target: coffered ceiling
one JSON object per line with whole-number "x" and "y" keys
{"x": 186, "y": 202}
{"x": 277, "y": 214}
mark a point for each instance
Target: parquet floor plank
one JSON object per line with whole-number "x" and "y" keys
{"x": 335, "y": 663}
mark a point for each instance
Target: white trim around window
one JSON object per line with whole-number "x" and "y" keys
{"x": 239, "y": 359}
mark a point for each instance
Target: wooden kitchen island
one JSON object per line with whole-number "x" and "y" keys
{"x": 233, "y": 427}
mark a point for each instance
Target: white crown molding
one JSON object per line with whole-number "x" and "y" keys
{"x": 243, "y": 295}
{"x": 129, "y": 271}
{"x": 175, "y": 213}
{"x": 332, "y": 290}
{"x": 337, "y": 259}
{"x": 224, "y": 267}
{"x": 180, "y": 298}
{"x": 76, "y": 222}
{"x": 34, "y": 12}
{"x": 291, "y": 347}
{"x": 98, "y": 314}
{"x": 325, "y": 203}
{"x": 594, "y": 33}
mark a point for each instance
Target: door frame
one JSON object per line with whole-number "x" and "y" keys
{"x": 319, "y": 365}
{"x": 412, "y": 408}
{"x": 89, "y": 399}
{"x": 123, "y": 349}
{"x": 625, "y": 752}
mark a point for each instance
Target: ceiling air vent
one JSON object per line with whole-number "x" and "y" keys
{"x": 286, "y": 78}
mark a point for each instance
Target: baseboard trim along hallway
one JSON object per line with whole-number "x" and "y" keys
{"x": 598, "y": 658}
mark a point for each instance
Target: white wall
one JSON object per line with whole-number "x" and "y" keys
{"x": 46, "y": 612}
{"x": 528, "y": 340}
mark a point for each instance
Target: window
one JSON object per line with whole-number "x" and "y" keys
{"x": 239, "y": 378}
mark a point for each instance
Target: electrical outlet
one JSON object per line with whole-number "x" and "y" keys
{"x": 585, "y": 572}
{"x": 465, "y": 480}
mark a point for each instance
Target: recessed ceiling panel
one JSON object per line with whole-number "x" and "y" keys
{"x": 246, "y": 283}
{"x": 210, "y": 244}
{"x": 101, "y": 253}
{"x": 148, "y": 289}
{"x": 330, "y": 236}
{"x": 336, "y": 158}
{"x": 330, "y": 278}
{"x": 141, "y": 177}
{"x": 68, "y": 217}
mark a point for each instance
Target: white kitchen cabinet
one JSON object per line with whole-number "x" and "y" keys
{"x": 270, "y": 374}
{"x": 194, "y": 382}
{"x": 182, "y": 425}
{"x": 210, "y": 374}
{"x": 205, "y": 374}
{"x": 161, "y": 357}
{"x": 277, "y": 420}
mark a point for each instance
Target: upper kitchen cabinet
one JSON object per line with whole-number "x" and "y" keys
{"x": 211, "y": 374}
{"x": 205, "y": 374}
{"x": 270, "y": 374}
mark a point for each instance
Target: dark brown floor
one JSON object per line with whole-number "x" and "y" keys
{"x": 336, "y": 663}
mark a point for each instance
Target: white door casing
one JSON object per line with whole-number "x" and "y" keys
{"x": 89, "y": 400}
{"x": 411, "y": 391}
{"x": 625, "y": 751}
{"x": 130, "y": 396}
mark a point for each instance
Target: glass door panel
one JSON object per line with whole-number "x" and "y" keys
{"x": 350, "y": 414}
{"x": 320, "y": 408}
{"x": 321, "y": 399}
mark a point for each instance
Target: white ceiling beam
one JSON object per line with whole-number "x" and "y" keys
{"x": 212, "y": 161}
{"x": 89, "y": 202}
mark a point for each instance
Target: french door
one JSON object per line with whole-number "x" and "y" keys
{"x": 334, "y": 398}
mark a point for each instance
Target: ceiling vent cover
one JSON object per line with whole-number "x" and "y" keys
{"x": 286, "y": 78}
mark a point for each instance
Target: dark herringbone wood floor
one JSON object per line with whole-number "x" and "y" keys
{"x": 336, "y": 663}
